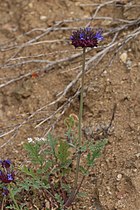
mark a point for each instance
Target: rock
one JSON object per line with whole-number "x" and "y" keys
{"x": 119, "y": 177}
{"x": 138, "y": 155}
{"x": 129, "y": 64}
{"x": 109, "y": 190}
{"x": 123, "y": 57}
{"x": 30, "y": 5}
{"x": 43, "y": 18}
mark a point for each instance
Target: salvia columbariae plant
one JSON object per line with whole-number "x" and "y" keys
{"x": 56, "y": 161}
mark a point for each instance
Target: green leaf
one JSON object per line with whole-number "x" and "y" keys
{"x": 83, "y": 148}
{"x": 26, "y": 184}
{"x": 95, "y": 151}
{"x": 89, "y": 162}
{"x": 59, "y": 199}
{"x": 35, "y": 183}
{"x": 63, "y": 152}
{"x": 13, "y": 207}
{"x": 98, "y": 146}
{"x": 10, "y": 207}
{"x": 45, "y": 169}
{"x": 52, "y": 142}
{"x": 33, "y": 150}
{"x": 66, "y": 187}
{"x": 69, "y": 122}
{"x": 82, "y": 194}
{"x": 28, "y": 171}
{"x": 84, "y": 171}
{"x": 15, "y": 190}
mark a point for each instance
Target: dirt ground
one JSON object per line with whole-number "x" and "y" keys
{"x": 35, "y": 81}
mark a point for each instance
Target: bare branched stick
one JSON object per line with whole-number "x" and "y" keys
{"x": 36, "y": 38}
{"x": 38, "y": 55}
{"x": 7, "y": 46}
{"x": 99, "y": 5}
{"x": 46, "y": 69}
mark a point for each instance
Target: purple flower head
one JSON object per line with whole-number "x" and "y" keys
{"x": 6, "y": 173}
{"x": 6, "y": 177}
{"x": 5, "y": 191}
{"x": 5, "y": 163}
{"x": 86, "y": 37}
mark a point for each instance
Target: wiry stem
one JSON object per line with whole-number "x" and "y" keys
{"x": 3, "y": 201}
{"x": 80, "y": 121}
{"x": 13, "y": 198}
{"x": 74, "y": 192}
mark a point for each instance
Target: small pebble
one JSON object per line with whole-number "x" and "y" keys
{"x": 119, "y": 176}
{"x": 30, "y": 5}
{"x": 138, "y": 155}
{"x": 129, "y": 64}
{"x": 43, "y": 18}
{"x": 123, "y": 57}
{"x": 134, "y": 170}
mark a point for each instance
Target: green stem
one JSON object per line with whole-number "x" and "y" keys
{"x": 80, "y": 122}
{"x": 3, "y": 201}
{"x": 74, "y": 192}
{"x": 81, "y": 100}
{"x": 13, "y": 199}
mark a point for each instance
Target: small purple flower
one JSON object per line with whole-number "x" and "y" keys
{"x": 6, "y": 174}
{"x": 10, "y": 177}
{"x": 5, "y": 191}
{"x": 6, "y": 177}
{"x": 86, "y": 37}
{"x": 5, "y": 163}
